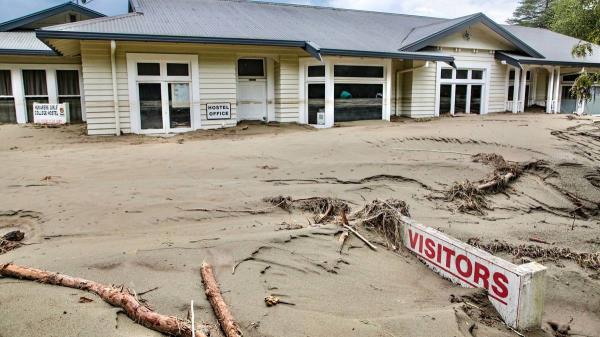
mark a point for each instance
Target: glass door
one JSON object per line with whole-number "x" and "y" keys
{"x": 164, "y": 96}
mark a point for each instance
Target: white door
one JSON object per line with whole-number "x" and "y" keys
{"x": 252, "y": 99}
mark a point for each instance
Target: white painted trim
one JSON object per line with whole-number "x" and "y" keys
{"x": 438, "y": 75}
{"x": 523, "y": 90}
{"x": 270, "y": 90}
{"x": 387, "y": 91}
{"x": 516, "y": 90}
{"x": 329, "y": 93}
{"x": 557, "y": 91}
{"x": 163, "y": 59}
{"x": 550, "y": 90}
{"x": 470, "y": 66}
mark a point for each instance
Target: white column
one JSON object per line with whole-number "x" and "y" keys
{"x": 19, "y": 95}
{"x": 52, "y": 86}
{"x": 515, "y": 107}
{"x": 270, "y": 89}
{"x": 387, "y": 96}
{"x": 550, "y": 90}
{"x": 329, "y": 94}
{"x": 522, "y": 90}
{"x": 557, "y": 91}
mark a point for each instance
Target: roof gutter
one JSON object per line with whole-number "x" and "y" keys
{"x": 519, "y": 62}
{"x": 400, "y": 56}
{"x": 25, "y": 52}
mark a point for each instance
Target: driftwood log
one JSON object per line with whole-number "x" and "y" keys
{"x": 220, "y": 308}
{"x": 112, "y": 295}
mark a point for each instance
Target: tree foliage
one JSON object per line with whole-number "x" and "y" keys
{"x": 533, "y": 13}
{"x": 580, "y": 19}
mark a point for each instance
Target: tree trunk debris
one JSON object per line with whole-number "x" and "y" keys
{"x": 221, "y": 310}
{"x": 118, "y": 297}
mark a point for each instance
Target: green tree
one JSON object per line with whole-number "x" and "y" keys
{"x": 532, "y": 13}
{"x": 580, "y": 19}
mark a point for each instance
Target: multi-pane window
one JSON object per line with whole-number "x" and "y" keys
{"x": 35, "y": 88}
{"x": 68, "y": 92}
{"x": 461, "y": 90}
{"x": 7, "y": 101}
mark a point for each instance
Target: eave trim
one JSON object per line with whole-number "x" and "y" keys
{"x": 480, "y": 17}
{"x": 27, "y": 19}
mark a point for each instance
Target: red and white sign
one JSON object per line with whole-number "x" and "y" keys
{"x": 515, "y": 291}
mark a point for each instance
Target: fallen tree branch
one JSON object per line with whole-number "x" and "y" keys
{"x": 114, "y": 296}
{"x": 213, "y": 293}
{"x": 362, "y": 238}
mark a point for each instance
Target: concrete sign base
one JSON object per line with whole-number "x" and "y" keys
{"x": 517, "y": 292}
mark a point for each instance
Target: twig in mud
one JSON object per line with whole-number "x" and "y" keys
{"x": 147, "y": 291}
{"x": 584, "y": 260}
{"x": 433, "y": 151}
{"x": 362, "y": 238}
{"x": 539, "y": 241}
{"x": 323, "y": 208}
{"x": 121, "y": 298}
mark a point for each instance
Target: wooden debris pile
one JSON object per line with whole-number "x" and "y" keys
{"x": 324, "y": 208}
{"x": 11, "y": 240}
{"x": 554, "y": 254}
{"x": 471, "y": 197}
{"x": 384, "y": 217}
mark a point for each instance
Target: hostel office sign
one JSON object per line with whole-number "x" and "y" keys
{"x": 216, "y": 111}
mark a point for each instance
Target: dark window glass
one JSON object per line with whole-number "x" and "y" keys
{"x": 476, "y": 99}
{"x": 68, "y": 82}
{"x": 148, "y": 69}
{"x": 8, "y": 112}
{"x": 358, "y": 71}
{"x": 528, "y": 76}
{"x": 511, "y": 75}
{"x": 447, "y": 73}
{"x": 462, "y": 74}
{"x": 511, "y": 92}
{"x": 5, "y": 83}
{"x": 29, "y": 104}
{"x": 179, "y": 105}
{"x": 358, "y": 102}
{"x": 74, "y": 108}
{"x": 477, "y": 74}
{"x": 460, "y": 99}
{"x": 178, "y": 69}
{"x": 251, "y": 68}
{"x": 150, "y": 106}
{"x": 316, "y": 101}
{"x": 34, "y": 82}
{"x": 566, "y": 78}
{"x": 445, "y": 98}
{"x": 72, "y": 18}
{"x": 316, "y": 71}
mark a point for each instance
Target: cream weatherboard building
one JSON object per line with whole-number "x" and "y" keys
{"x": 182, "y": 65}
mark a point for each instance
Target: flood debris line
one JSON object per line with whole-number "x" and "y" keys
{"x": 213, "y": 293}
{"x": 384, "y": 217}
{"x": 116, "y": 296}
{"x": 10, "y": 241}
{"x": 472, "y": 197}
{"x": 554, "y": 254}
{"x": 323, "y": 208}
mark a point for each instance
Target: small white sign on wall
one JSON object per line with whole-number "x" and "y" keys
{"x": 215, "y": 111}
{"x": 44, "y": 113}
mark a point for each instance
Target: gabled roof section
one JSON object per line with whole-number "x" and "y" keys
{"x": 46, "y": 13}
{"x": 427, "y": 35}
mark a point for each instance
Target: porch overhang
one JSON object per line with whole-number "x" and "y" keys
{"x": 520, "y": 61}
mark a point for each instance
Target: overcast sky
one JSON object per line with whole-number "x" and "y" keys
{"x": 499, "y": 10}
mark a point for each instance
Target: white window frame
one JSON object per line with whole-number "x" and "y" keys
{"x": 12, "y": 91}
{"x": 133, "y": 79}
{"x": 469, "y": 82}
{"x": 330, "y": 80}
{"x": 51, "y": 84}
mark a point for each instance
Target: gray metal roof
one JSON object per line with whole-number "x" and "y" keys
{"x": 326, "y": 30}
{"x": 556, "y": 48}
{"x": 23, "y": 43}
